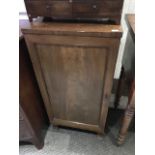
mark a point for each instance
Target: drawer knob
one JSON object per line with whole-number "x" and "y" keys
{"x": 94, "y": 6}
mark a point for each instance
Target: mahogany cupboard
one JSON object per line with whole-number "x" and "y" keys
{"x": 74, "y": 65}
{"x": 33, "y": 120}
{"x": 103, "y": 10}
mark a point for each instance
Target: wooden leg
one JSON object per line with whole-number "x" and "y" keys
{"x": 129, "y": 113}
{"x": 38, "y": 143}
{"x": 118, "y": 92}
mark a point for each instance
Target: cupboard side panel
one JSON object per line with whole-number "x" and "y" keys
{"x": 108, "y": 82}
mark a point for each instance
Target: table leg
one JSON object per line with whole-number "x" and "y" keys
{"x": 119, "y": 88}
{"x": 129, "y": 113}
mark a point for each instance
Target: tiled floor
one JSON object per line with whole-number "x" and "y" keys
{"x": 60, "y": 141}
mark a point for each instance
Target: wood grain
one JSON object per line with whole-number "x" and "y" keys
{"x": 74, "y": 29}
{"x": 74, "y": 79}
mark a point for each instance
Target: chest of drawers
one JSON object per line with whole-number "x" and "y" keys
{"x": 106, "y": 10}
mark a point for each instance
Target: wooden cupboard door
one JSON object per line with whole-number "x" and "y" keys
{"x": 75, "y": 77}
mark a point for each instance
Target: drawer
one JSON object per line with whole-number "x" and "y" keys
{"x": 37, "y": 8}
{"x": 60, "y": 8}
{"x": 85, "y": 7}
{"x": 96, "y": 9}
{"x": 112, "y": 7}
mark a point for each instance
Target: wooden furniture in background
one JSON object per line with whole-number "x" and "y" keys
{"x": 76, "y": 9}
{"x": 74, "y": 66}
{"x": 129, "y": 112}
{"x": 33, "y": 120}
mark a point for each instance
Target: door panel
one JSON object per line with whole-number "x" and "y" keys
{"x": 74, "y": 79}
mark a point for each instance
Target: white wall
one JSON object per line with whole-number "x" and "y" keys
{"x": 22, "y": 6}
{"x": 128, "y": 7}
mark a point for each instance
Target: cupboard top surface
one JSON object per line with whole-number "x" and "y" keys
{"x": 82, "y": 29}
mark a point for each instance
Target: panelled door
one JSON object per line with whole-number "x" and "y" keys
{"x": 75, "y": 77}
